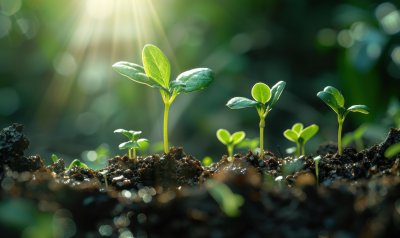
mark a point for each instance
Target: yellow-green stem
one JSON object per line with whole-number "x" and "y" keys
{"x": 340, "y": 150}
{"x": 302, "y": 150}
{"x": 130, "y": 153}
{"x": 134, "y": 153}
{"x": 166, "y": 111}
{"x": 230, "y": 151}
{"x": 262, "y": 125}
{"x": 298, "y": 149}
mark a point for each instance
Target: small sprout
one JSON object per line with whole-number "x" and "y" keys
{"x": 230, "y": 140}
{"x": 316, "y": 161}
{"x": 77, "y": 163}
{"x": 251, "y": 144}
{"x": 228, "y": 201}
{"x": 355, "y": 136}
{"x": 133, "y": 143}
{"x": 334, "y": 99}
{"x": 207, "y": 161}
{"x": 264, "y": 100}
{"x": 155, "y": 73}
{"x": 392, "y": 150}
{"x": 54, "y": 158}
{"x": 300, "y": 136}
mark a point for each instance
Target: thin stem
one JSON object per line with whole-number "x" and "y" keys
{"x": 130, "y": 153}
{"x": 230, "y": 151}
{"x": 302, "y": 149}
{"x": 262, "y": 126}
{"x": 134, "y": 153}
{"x": 340, "y": 121}
{"x": 298, "y": 149}
{"x": 166, "y": 111}
{"x": 317, "y": 172}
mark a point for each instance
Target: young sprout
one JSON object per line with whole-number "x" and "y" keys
{"x": 316, "y": 161}
{"x": 133, "y": 143}
{"x": 264, "y": 100}
{"x": 355, "y": 136}
{"x": 392, "y": 150}
{"x": 77, "y": 163}
{"x": 230, "y": 140}
{"x": 250, "y": 144}
{"x": 334, "y": 99}
{"x": 155, "y": 73}
{"x": 300, "y": 136}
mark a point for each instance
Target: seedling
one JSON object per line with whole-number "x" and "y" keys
{"x": 251, "y": 144}
{"x": 133, "y": 143}
{"x": 228, "y": 201}
{"x": 300, "y": 136}
{"x": 355, "y": 136}
{"x": 77, "y": 163}
{"x": 230, "y": 140}
{"x": 264, "y": 100}
{"x": 156, "y": 74}
{"x": 316, "y": 161}
{"x": 334, "y": 99}
{"x": 392, "y": 150}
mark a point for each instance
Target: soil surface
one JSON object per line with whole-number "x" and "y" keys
{"x": 356, "y": 194}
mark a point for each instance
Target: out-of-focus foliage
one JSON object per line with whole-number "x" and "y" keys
{"x": 56, "y": 76}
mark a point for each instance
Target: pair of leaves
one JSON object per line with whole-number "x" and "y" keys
{"x": 262, "y": 95}
{"x": 227, "y": 139}
{"x": 156, "y": 73}
{"x": 134, "y": 141}
{"x": 299, "y": 134}
{"x": 334, "y": 99}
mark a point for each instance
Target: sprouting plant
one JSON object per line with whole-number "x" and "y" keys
{"x": 316, "y": 161}
{"x": 77, "y": 163}
{"x": 156, "y": 74}
{"x": 355, "y": 136}
{"x": 207, "y": 161}
{"x": 392, "y": 150}
{"x": 133, "y": 143}
{"x": 300, "y": 136}
{"x": 251, "y": 144}
{"x": 230, "y": 140}
{"x": 264, "y": 100}
{"x": 228, "y": 201}
{"x": 334, "y": 99}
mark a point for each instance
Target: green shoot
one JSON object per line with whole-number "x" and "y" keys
{"x": 251, "y": 144}
{"x": 355, "y": 136}
{"x": 54, "y": 158}
{"x": 133, "y": 143}
{"x": 228, "y": 201}
{"x": 207, "y": 161}
{"x": 316, "y": 161}
{"x": 155, "y": 73}
{"x": 264, "y": 100}
{"x": 392, "y": 150}
{"x": 300, "y": 136}
{"x": 77, "y": 163}
{"x": 230, "y": 140}
{"x": 334, "y": 99}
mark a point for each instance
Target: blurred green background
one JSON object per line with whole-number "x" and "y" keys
{"x": 56, "y": 76}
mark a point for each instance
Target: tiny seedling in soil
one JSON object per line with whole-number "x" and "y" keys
{"x": 334, "y": 99}
{"x": 264, "y": 100}
{"x": 316, "y": 161}
{"x": 300, "y": 136}
{"x": 77, "y": 163}
{"x": 133, "y": 143}
{"x": 156, "y": 74}
{"x": 225, "y": 137}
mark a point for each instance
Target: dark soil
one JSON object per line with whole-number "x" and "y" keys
{"x": 168, "y": 195}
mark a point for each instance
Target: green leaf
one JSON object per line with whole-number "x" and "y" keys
{"x": 336, "y": 93}
{"x": 261, "y": 92}
{"x": 298, "y": 127}
{"x": 309, "y": 132}
{"x": 276, "y": 92}
{"x": 135, "y": 135}
{"x": 135, "y": 73}
{"x": 54, "y": 158}
{"x": 359, "y": 108}
{"x": 128, "y": 145}
{"x": 330, "y": 100}
{"x": 78, "y": 164}
{"x": 156, "y": 65}
{"x": 143, "y": 143}
{"x": 193, "y": 80}
{"x": 392, "y": 150}
{"x": 241, "y": 102}
{"x": 238, "y": 137}
{"x": 290, "y": 135}
{"x": 128, "y": 134}
{"x": 224, "y": 136}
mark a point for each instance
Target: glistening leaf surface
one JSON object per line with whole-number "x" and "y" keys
{"x": 330, "y": 100}
{"x": 238, "y": 137}
{"x": 261, "y": 92}
{"x": 135, "y": 73}
{"x": 276, "y": 92}
{"x": 128, "y": 145}
{"x": 359, "y": 108}
{"x": 309, "y": 132}
{"x": 336, "y": 93}
{"x": 193, "y": 80}
{"x": 128, "y": 134}
{"x": 224, "y": 136}
{"x": 297, "y": 127}
{"x": 156, "y": 65}
{"x": 290, "y": 135}
{"x": 241, "y": 102}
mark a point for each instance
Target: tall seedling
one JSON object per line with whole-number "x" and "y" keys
{"x": 334, "y": 99}
{"x": 156, "y": 74}
{"x": 264, "y": 100}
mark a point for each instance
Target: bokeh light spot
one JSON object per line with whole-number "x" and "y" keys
{"x": 396, "y": 55}
{"x": 389, "y": 17}
{"x": 65, "y": 64}
{"x": 10, "y": 7}
{"x": 374, "y": 50}
{"x": 345, "y": 39}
